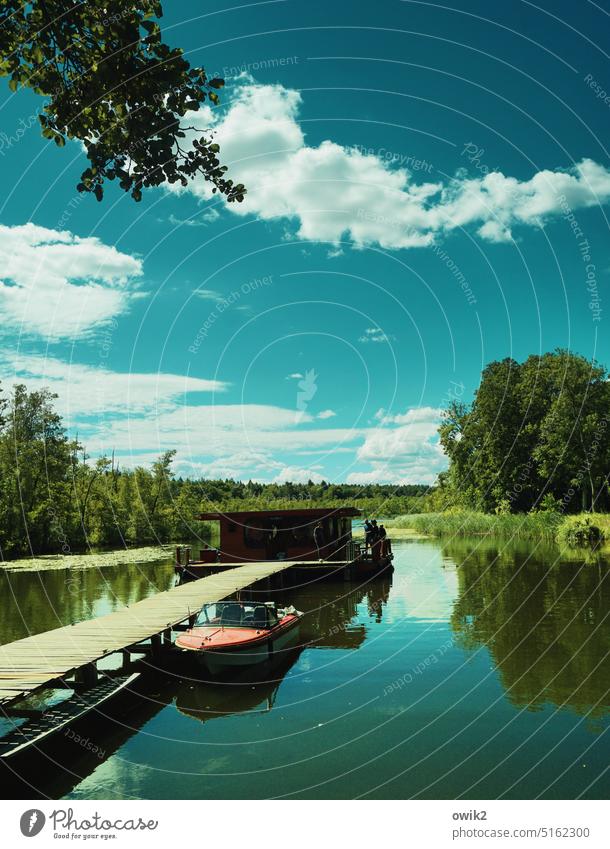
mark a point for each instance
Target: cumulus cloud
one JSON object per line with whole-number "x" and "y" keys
{"x": 85, "y": 390}
{"x": 375, "y": 334}
{"x": 403, "y": 449}
{"x": 295, "y": 474}
{"x": 331, "y": 192}
{"x": 56, "y": 284}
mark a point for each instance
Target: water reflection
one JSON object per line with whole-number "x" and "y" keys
{"x": 544, "y": 621}
{"x": 58, "y": 767}
{"x": 33, "y": 602}
{"x": 525, "y": 634}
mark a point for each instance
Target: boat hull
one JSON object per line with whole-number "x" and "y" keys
{"x": 224, "y": 660}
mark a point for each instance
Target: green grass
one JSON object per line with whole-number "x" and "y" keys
{"x": 471, "y": 523}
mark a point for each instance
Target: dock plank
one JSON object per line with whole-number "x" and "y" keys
{"x": 29, "y": 664}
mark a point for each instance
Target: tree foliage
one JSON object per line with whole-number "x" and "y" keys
{"x": 115, "y": 85}
{"x": 55, "y": 498}
{"x": 536, "y": 436}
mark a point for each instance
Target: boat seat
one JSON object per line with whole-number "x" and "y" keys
{"x": 259, "y": 616}
{"x": 231, "y": 614}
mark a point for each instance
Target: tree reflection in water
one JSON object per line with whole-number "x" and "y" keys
{"x": 544, "y": 616}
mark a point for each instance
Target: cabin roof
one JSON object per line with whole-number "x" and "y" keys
{"x": 305, "y": 513}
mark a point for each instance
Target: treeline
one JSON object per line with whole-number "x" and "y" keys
{"x": 55, "y": 498}
{"x": 536, "y": 437}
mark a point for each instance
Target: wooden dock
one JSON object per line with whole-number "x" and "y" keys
{"x": 36, "y": 662}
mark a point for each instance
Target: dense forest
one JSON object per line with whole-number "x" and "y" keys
{"x": 537, "y": 436}
{"x": 55, "y": 498}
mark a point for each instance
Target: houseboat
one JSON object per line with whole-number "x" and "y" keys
{"x": 314, "y": 539}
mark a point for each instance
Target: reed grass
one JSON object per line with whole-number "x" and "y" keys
{"x": 471, "y": 523}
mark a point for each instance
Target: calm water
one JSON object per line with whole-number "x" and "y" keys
{"x": 472, "y": 672}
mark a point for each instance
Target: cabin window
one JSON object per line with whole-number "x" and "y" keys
{"x": 235, "y": 614}
{"x": 255, "y": 537}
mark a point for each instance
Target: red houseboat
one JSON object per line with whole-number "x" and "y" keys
{"x": 318, "y": 538}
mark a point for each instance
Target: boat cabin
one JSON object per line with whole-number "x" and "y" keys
{"x": 302, "y": 534}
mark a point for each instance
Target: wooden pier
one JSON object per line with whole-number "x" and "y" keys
{"x": 36, "y": 662}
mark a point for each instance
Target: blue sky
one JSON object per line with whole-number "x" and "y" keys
{"x": 428, "y": 191}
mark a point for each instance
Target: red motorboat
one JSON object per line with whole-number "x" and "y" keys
{"x": 229, "y": 635}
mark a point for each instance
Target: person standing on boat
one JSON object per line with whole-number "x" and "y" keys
{"x": 374, "y": 531}
{"x": 368, "y": 530}
{"x": 382, "y": 534}
{"x": 318, "y": 538}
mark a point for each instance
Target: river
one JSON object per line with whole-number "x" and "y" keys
{"x": 475, "y": 671}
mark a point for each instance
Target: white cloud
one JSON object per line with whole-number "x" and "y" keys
{"x": 332, "y": 192}
{"x": 140, "y": 415}
{"x": 415, "y": 414}
{"x": 89, "y": 391}
{"x": 244, "y": 465}
{"x": 209, "y": 294}
{"x": 376, "y": 334}
{"x": 294, "y": 474}
{"x": 403, "y": 449}
{"x": 56, "y": 284}
{"x": 208, "y": 216}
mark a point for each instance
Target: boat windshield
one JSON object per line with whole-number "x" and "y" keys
{"x": 233, "y": 614}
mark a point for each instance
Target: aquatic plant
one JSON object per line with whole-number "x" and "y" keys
{"x": 580, "y": 530}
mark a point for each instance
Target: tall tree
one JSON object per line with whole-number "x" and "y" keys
{"x": 536, "y": 429}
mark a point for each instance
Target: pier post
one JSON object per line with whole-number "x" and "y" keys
{"x": 86, "y": 675}
{"x": 167, "y": 637}
{"x": 155, "y": 642}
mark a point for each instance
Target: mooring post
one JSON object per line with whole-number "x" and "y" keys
{"x": 86, "y": 675}
{"x": 155, "y": 642}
